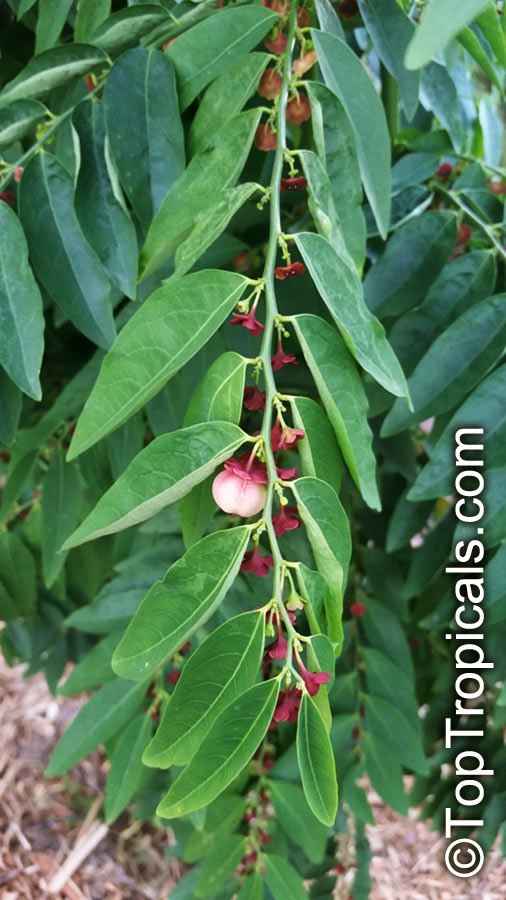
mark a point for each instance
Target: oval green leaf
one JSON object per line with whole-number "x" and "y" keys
{"x": 316, "y": 762}
{"x": 51, "y": 69}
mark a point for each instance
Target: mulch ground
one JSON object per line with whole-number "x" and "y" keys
{"x": 53, "y": 843}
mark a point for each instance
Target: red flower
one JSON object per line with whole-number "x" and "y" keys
{"x": 283, "y": 272}
{"x": 18, "y": 172}
{"x": 312, "y": 680}
{"x": 263, "y": 837}
{"x": 286, "y": 474}
{"x": 298, "y": 109}
{"x": 304, "y": 63}
{"x": 174, "y": 677}
{"x": 254, "y": 562}
{"x": 286, "y": 520}
{"x": 281, "y": 359}
{"x": 7, "y": 197}
{"x": 302, "y": 17}
{"x": 287, "y": 707}
{"x": 358, "y": 610}
{"x": 348, "y": 9}
{"x": 293, "y": 184}
{"x": 284, "y": 438}
{"x": 276, "y": 42}
{"x": 444, "y": 171}
{"x": 279, "y": 6}
{"x": 241, "y": 261}
{"x": 253, "y": 470}
{"x": 277, "y": 650}
{"x": 253, "y": 398}
{"x": 464, "y": 234}
{"x": 185, "y": 647}
{"x": 248, "y": 321}
{"x": 265, "y": 138}
{"x": 270, "y": 84}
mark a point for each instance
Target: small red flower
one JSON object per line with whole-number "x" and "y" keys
{"x": 18, "y": 172}
{"x": 279, "y": 6}
{"x": 276, "y": 42}
{"x": 241, "y": 262}
{"x": 298, "y": 109}
{"x": 444, "y": 171}
{"x": 245, "y": 467}
{"x": 497, "y": 187}
{"x": 464, "y": 234}
{"x": 358, "y": 610}
{"x": 286, "y": 474}
{"x": 286, "y": 520}
{"x": 281, "y": 359}
{"x": 304, "y": 63}
{"x": 185, "y": 647}
{"x": 248, "y": 321}
{"x": 265, "y": 138}
{"x": 277, "y": 650}
{"x": 284, "y": 438}
{"x": 91, "y": 83}
{"x": 174, "y": 677}
{"x": 302, "y": 17}
{"x": 257, "y": 563}
{"x": 293, "y": 184}
{"x": 168, "y": 43}
{"x": 270, "y": 84}
{"x": 238, "y": 491}
{"x": 283, "y": 272}
{"x": 287, "y": 707}
{"x": 313, "y": 680}
{"x": 253, "y": 398}
{"x": 348, "y": 9}
{"x": 263, "y": 837}
{"x": 8, "y": 197}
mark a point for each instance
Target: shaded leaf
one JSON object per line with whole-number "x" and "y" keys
{"x": 50, "y": 22}
{"x": 51, "y": 69}
{"x": 385, "y": 772}
{"x": 126, "y": 773}
{"x": 61, "y": 503}
{"x": 126, "y": 26}
{"x": 185, "y": 599}
{"x": 19, "y": 118}
{"x": 441, "y": 22}
{"x": 94, "y": 669}
{"x": 283, "y": 879}
{"x": 297, "y": 820}
{"x": 391, "y": 31}
{"x": 18, "y": 589}
{"x": 318, "y": 450}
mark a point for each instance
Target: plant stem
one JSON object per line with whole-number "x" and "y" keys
{"x": 271, "y": 311}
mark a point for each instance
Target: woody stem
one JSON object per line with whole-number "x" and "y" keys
{"x": 271, "y": 312}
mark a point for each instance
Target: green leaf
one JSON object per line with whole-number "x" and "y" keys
{"x": 385, "y": 772}
{"x": 225, "y": 98}
{"x": 11, "y": 402}
{"x": 220, "y": 865}
{"x": 222, "y": 818}
{"x": 337, "y": 150}
{"x": 52, "y": 69}
{"x": 316, "y": 762}
{"x": 94, "y": 669}
{"x": 68, "y": 268}
{"x": 218, "y": 396}
{"x": 495, "y": 577}
{"x": 252, "y": 888}
{"x": 61, "y": 502}
{"x": 160, "y": 474}
{"x": 318, "y": 450}
{"x": 460, "y": 284}
{"x": 313, "y": 588}
{"x": 206, "y": 177}
{"x": 188, "y": 595}
{"x": 455, "y": 363}
{"x": 472, "y": 44}
{"x": 21, "y": 316}
{"x": 490, "y": 26}
{"x": 321, "y": 204}
{"x": 206, "y": 50}
{"x": 347, "y": 78}
{"x": 229, "y": 745}
{"x": 385, "y": 633}
{"x": 391, "y": 31}
{"x": 328, "y": 531}
{"x": 107, "y": 712}
{"x": 50, "y": 22}
{"x": 328, "y": 19}
{"x": 343, "y": 397}
{"x": 283, "y": 880}
{"x": 148, "y": 144}
{"x": 99, "y": 207}
{"x": 340, "y": 288}
{"x": 407, "y": 519}
{"x": 126, "y": 26}
{"x": 18, "y": 119}
{"x": 90, "y": 14}
{"x": 388, "y": 680}
{"x": 385, "y": 721}
{"x": 223, "y": 666}
{"x": 212, "y": 224}
{"x": 441, "y": 22}
{"x": 126, "y": 773}
{"x": 297, "y": 820}
{"x": 169, "y": 328}
{"x": 18, "y": 589}
{"x": 485, "y": 406}
{"x": 414, "y": 256}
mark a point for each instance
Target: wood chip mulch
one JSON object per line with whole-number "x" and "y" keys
{"x": 54, "y": 845}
